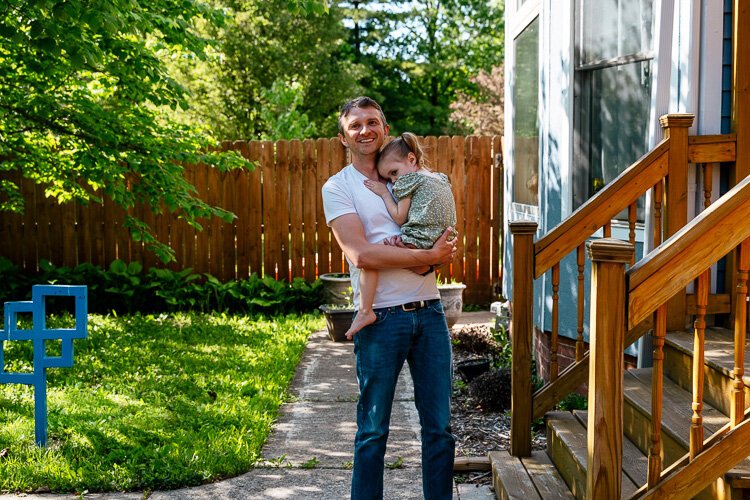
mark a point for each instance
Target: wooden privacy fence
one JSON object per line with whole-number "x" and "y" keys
{"x": 280, "y": 229}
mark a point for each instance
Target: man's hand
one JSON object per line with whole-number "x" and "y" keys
{"x": 444, "y": 249}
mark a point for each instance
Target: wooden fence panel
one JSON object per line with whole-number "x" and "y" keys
{"x": 322, "y": 173}
{"x": 296, "y": 227}
{"x": 442, "y": 163}
{"x": 458, "y": 178}
{"x": 311, "y": 201}
{"x": 255, "y": 233}
{"x": 338, "y": 161}
{"x": 228, "y": 246}
{"x": 280, "y": 229}
{"x": 483, "y": 291}
{"x": 497, "y": 211}
{"x": 471, "y": 213}
{"x": 28, "y": 240}
{"x": 282, "y": 208}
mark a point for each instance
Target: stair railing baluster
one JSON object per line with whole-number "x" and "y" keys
{"x": 632, "y": 217}
{"x": 701, "y": 296}
{"x": 737, "y": 408}
{"x": 658, "y": 198}
{"x": 608, "y": 229}
{"x": 654, "y": 452}
{"x": 581, "y": 256}
{"x": 708, "y": 182}
{"x": 554, "y": 367}
{"x": 696, "y": 421}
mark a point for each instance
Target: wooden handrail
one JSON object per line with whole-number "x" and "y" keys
{"x": 680, "y": 259}
{"x": 712, "y": 148}
{"x": 630, "y": 185}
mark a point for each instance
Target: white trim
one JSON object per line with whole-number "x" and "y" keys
{"x": 517, "y": 21}
{"x": 709, "y": 93}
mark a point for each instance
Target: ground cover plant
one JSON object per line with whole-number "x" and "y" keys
{"x": 152, "y": 402}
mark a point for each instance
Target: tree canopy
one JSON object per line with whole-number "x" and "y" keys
{"x": 83, "y": 89}
{"x": 109, "y": 98}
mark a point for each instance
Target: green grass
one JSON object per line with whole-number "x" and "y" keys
{"x": 152, "y": 403}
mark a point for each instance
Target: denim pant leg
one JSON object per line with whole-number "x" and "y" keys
{"x": 381, "y": 350}
{"x": 431, "y": 369}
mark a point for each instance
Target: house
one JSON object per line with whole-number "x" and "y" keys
{"x": 627, "y": 150}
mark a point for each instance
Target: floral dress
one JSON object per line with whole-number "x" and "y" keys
{"x": 432, "y": 207}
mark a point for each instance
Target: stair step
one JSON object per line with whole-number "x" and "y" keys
{"x": 676, "y": 417}
{"x": 566, "y": 445}
{"x": 634, "y": 461}
{"x": 719, "y": 360}
{"x": 527, "y": 478}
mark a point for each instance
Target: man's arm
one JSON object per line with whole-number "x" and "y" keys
{"x": 350, "y": 234}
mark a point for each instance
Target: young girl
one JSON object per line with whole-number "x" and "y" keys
{"x": 423, "y": 207}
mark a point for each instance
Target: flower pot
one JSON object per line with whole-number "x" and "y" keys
{"x": 469, "y": 369}
{"x": 336, "y": 288}
{"x": 338, "y": 321}
{"x": 452, "y": 297}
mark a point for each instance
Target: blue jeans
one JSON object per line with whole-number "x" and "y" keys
{"x": 421, "y": 338}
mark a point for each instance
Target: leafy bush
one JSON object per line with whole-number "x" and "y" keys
{"x": 128, "y": 288}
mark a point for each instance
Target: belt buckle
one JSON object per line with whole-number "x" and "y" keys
{"x": 411, "y": 306}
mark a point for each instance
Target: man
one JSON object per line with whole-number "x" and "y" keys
{"x": 410, "y": 324}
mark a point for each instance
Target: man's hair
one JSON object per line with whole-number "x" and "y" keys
{"x": 359, "y": 102}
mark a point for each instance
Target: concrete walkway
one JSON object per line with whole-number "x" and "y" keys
{"x": 308, "y": 454}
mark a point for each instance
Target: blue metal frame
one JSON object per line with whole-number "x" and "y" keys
{"x": 39, "y": 334}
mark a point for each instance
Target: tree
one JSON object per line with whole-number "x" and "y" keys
{"x": 423, "y": 53}
{"x": 267, "y": 45}
{"x": 83, "y": 89}
{"x": 481, "y": 114}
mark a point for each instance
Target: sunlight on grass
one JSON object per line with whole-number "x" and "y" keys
{"x": 152, "y": 402}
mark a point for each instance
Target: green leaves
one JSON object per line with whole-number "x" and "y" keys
{"x": 82, "y": 96}
{"x": 128, "y": 288}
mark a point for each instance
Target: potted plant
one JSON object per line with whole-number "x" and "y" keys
{"x": 336, "y": 288}
{"x": 339, "y": 316}
{"x": 338, "y": 320}
{"x": 452, "y": 297}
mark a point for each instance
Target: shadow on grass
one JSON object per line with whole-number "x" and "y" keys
{"x": 154, "y": 403}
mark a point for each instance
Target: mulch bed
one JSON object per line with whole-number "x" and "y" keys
{"x": 478, "y": 430}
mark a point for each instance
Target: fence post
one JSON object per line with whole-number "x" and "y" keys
{"x": 676, "y": 129}
{"x": 522, "y": 328}
{"x": 604, "y": 476}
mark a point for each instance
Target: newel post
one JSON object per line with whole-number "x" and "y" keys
{"x": 604, "y": 471}
{"x": 522, "y": 328}
{"x": 676, "y": 129}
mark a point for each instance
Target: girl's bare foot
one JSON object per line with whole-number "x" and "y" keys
{"x": 361, "y": 320}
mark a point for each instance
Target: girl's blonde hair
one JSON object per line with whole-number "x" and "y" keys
{"x": 401, "y": 146}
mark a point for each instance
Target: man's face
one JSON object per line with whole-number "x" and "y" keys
{"x": 364, "y": 131}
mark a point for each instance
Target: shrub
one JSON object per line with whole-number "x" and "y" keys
{"x": 128, "y": 288}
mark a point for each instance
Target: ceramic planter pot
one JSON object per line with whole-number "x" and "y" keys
{"x": 338, "y": 321}
{"x": 452, "y": 297}
{"x": 336, "y": 288}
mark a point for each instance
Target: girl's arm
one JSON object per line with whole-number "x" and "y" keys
{"x": 399, "y": 211}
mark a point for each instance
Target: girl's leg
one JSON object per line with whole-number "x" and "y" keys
{"x": 368, "y": 283}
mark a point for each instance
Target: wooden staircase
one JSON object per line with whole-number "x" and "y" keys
{"x": 560, "y": 470}
{"x": 679, "y": 429}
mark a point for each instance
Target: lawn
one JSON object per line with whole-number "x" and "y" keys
{"x": 152, "y": 402}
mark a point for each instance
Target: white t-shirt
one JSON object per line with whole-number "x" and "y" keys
{"x": 345, "y": 193}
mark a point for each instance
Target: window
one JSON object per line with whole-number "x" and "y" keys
{"x": 525, "y": 92}
{"x": 613, "y": 91}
